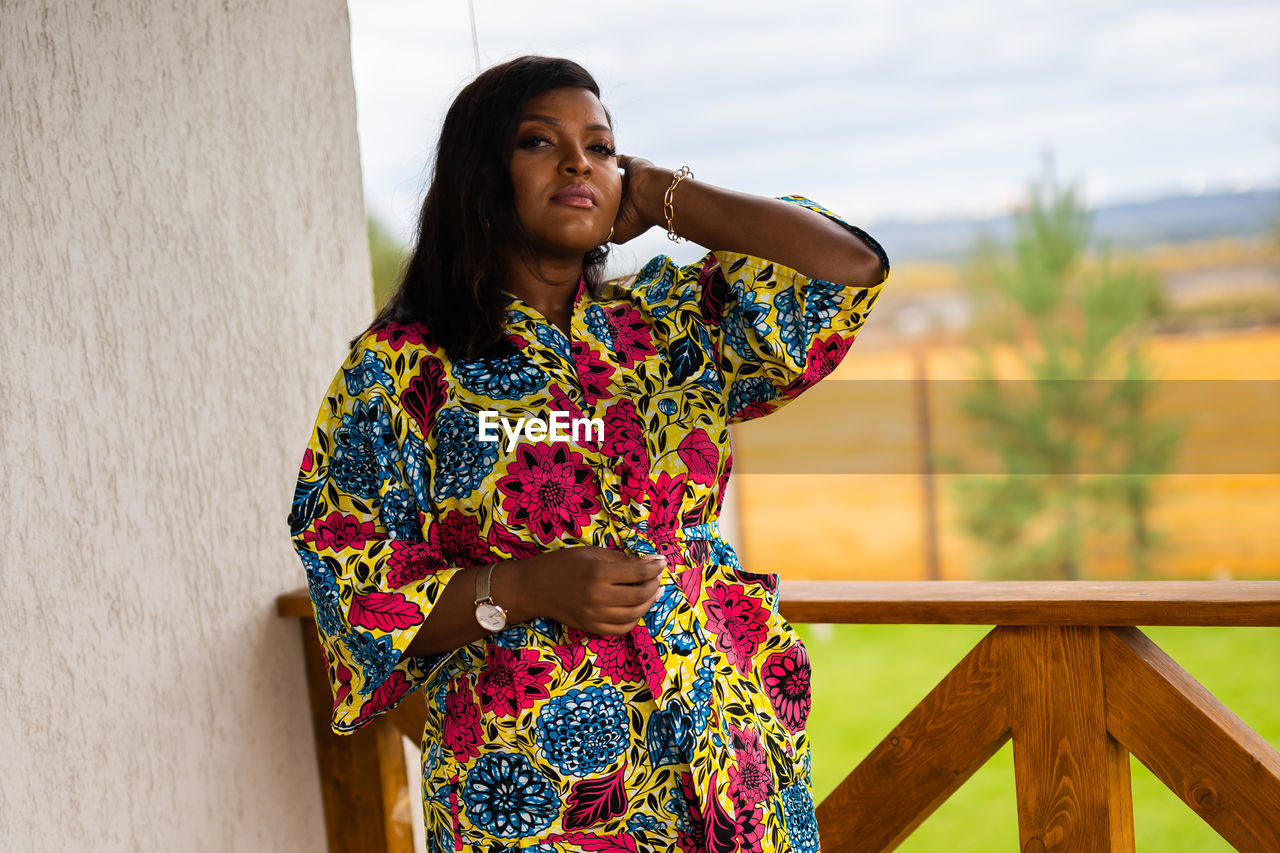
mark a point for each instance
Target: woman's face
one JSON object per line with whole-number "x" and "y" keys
{"x": 565, "y": 172}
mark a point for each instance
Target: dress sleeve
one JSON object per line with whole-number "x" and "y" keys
{"x": 769, "y": 331}
{"x": 357, "y": 526}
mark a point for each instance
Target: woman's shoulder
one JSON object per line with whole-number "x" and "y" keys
{"x": 393, "y": 339}
{"x": 661, "y": 284}
{"x": 389, "y": 353}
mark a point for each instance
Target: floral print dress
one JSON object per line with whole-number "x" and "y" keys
{"x": 689, "y": 732}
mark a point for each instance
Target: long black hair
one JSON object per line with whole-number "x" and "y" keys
{"x": 469, "y": 227}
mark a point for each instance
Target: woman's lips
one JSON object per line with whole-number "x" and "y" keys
{"x": 576, "y": 195}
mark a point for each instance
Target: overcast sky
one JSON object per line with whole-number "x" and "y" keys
{"x": 881, "y": 110}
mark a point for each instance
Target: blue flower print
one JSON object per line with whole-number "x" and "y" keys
{"x": 747, "y": 392}
{"x": 660, "y": 737}
{"x": 369, "y": 372}
{"x": 723, "y": 554}
{"x": 375, "y": 657}
{"x": 400, "y": 514}
{"x": 791, "y": 325}
{"x": 667, "y": 406}
{"x": 643, "y": 823}
{"x": 802, "y": 823}
{"x": 681, "y": 720}
{"x": 583, "y": 731}
{"x": 364, "y": 449}
{"x": 744, "y": 319}
{"x": 507, "y": 796}
{"x": 700, "y": 696}
{"x": 324, "y": 593}
{"x": 504, "y": 377}
{"x": 552, "y": 337}
{"x": 462, "y": 459}
{"x": 415, "y": 455}
{"x": 598, "y": 325}
{"x": 684, "y": 641}
{"x": 659, "y": 615}
{"x": 431, "y": 758}
{"x": 821, "y": 305}
{"x": 660, "y": 274}
{"x": 513, "y": 637}
{"x": 679, "y": 809}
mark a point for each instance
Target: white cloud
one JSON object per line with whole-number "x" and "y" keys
{"x": 880, "y": 109}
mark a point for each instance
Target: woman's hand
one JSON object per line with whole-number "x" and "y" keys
{"x": 596, "y": 590}
{"x": 638, "y": 211}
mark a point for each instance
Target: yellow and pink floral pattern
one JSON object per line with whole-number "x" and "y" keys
{"x": 688, "y": 733}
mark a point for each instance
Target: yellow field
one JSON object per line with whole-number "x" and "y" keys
{"x": 872, "y": 525}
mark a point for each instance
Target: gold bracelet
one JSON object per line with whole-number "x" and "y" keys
{"x": 668, "y": 202}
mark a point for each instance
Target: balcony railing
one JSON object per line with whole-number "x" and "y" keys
{"x": 1065, "y": 674}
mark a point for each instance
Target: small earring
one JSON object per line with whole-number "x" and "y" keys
{"x": 610, "y": 237}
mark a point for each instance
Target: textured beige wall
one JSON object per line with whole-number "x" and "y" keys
{"x": 182, "y": 255}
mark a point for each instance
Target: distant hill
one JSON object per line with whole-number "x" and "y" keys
{"x": 1175, "y": 219}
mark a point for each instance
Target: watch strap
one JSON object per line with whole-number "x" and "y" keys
{"x": 482, "y": 583}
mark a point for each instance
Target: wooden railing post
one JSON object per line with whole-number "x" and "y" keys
{"x": 362, "y": 775}
{"x": 1072, "y": 792}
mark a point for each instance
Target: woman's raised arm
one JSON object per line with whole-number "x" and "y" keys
{"x": 721, "y": 219}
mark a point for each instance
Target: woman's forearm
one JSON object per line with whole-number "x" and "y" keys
{"x": 452, "y": 624}
{"x": 788, "y": 234}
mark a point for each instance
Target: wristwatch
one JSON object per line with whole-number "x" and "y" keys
{"x": 490, "y": 616}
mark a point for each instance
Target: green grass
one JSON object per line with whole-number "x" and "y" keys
{"x": 866, "y": 678}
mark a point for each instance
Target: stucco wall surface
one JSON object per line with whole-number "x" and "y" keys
{"x": 182, "y": 258}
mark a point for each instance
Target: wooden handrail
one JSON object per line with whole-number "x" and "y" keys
{"x": 1064, "y": 674}
{"x": 1236, "y": 603}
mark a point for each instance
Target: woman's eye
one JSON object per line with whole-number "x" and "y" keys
{"x": 606, "y": 149}
{"x": 534, "y": 141}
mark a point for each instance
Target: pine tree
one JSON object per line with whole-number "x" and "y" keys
{"x": 1076, "y": 452}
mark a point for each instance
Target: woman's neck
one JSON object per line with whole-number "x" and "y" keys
{"x": 549, "y": 289}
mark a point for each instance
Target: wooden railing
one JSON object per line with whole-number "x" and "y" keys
{"x": 1065, "y": 674}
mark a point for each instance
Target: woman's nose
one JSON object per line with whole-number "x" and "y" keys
{"x": 575, "y": 161}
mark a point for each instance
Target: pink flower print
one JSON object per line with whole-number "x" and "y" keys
{"x": 387, "y": 694}
{"x": 738, "y": 620}
{"x": 824, "y": 355}
{"x": 462, "y": 733}
{"x": 631, "y": 337}
{"x": 512, "y": 680}
{"x": 425, "y": 394}
{"x": 749, "y": 828}
{"x": 504, "y": 541}
{"x": 713, "y": 291}
{"x": 398, "y": 334}
{"x": 616, "y": 657}
{"x": 594, "y": 372}
{"x": 624, "y": 441}
{"x": 723, "y": 482}
{"x": 550, "y": 490}
{"x": 343, "y": 677}
{"x": 631, "y": 657}
{"x": 337, "y": 532}
{"x": 750, "y": 781}
{"x": 456, "y": 538}
{"x": 786, "y": 682}
{"x": 307, "y": 460}
{"x": 411, "y": 561}
{"x": 700, "y": 456}
{"x": 665, "y": 495}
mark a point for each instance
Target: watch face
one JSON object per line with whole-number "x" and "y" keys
{"x": 491, "y": 617}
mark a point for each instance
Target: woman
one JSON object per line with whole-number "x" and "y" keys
{"x": 599, "y": 671}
